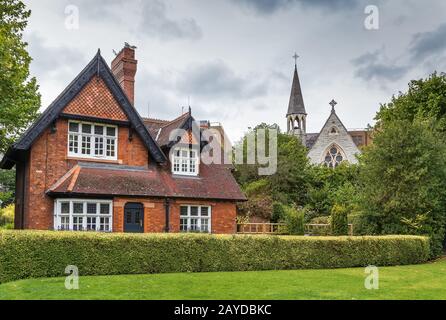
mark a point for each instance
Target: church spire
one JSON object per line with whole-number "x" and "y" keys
{"x": 296, "y": 115}
{"x": 296, "y": 104}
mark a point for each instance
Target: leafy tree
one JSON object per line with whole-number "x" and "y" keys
{"x": 426, "y": 98}
{"x": 290, "y": 182}
{"x": 403, "y": 178}
{"x": 339, "y": 221}
{"x": 330, "y": 187}
{"x": 19, "y": 97}
{"x": 294, "y": 220}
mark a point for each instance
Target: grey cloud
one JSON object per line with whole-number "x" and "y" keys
{"x": 426, "y": 44}
{"x": 157, "y": 24}
{"x": 50, "y": 59}
{"x": 271, "y": 6}
{"x": 152, "y": 18}
{"x": 424, "y": 47}
{"x": 374, "y": 65}
{"x": 217, "y": 80}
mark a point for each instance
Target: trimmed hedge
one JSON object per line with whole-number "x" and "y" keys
{"x": 32, "y": 254}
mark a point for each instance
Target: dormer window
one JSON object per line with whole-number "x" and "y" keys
{"x": 185, "y": 161}
{"x": 94, "y": 141}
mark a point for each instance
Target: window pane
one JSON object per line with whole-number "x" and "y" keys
{"x": 183, "y": 224}
{"x": 91, "y": 208}
{"x": 74, "y": 127}
{"x": 65, "y": 207}
{"x": 91, "y": 223}
{"x": 194, "y": 211}
{"x": 204, "y": 211}
{"x": 78, "y": 207}
{"x": 205, "y": 225}
{"x": 99, "y": 130}
{"x": 183, "y": 211}
{"x": 194, "y": 224}
{"x": 111, "y": 131}
{"x": 99, "y": 146}
{"x": 64, "y": 223}
{"x": 184, "y": 153}
{"x": 105, "y": 208}
{"x": 77, "y": 223}
{"x": 104, "y": 224}
{"x": 86, "y": 128}
{"x": 86, "y": 144}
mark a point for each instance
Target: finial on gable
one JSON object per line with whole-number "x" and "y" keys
{"x": 333, "y": 103}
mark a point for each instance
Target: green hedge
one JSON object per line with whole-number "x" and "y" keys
{"x": 32, "y": 254}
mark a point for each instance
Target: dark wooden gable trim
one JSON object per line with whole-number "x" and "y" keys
{"x": 186, "y": 125}
{"x": 97, "y": 66}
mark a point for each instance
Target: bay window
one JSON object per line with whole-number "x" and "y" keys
{"x": 185, "y": 161}
{"x": 195, "y": 218}
{"x": 89, "y": 140}
{"x": 83, "y": 215}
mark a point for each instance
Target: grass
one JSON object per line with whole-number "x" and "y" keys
{"x": 427, "y": 281}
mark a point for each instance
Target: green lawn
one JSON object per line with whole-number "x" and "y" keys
{"x": 427, "y": 281}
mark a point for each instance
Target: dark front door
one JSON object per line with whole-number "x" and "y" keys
{"x": 133, "y": 217}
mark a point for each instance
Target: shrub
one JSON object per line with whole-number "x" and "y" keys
{"x": 278, "y": 214}
{"x": 7, "y": 216}
{"x": 32, "y": 254}
{"x": 294, "y": 220}
{"x": 339, "y": 222}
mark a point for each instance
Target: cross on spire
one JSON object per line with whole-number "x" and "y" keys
{"x": 333, "y": 103}
{"x": 295, "y": 58}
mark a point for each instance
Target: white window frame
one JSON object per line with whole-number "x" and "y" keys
{"x": 199, "y": 217}
{"x": 93, "y": 136}
{"x": 59, "y": 216}
{"x": 179, "y": 161}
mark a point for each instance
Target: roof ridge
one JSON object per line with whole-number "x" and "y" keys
{"x": 176, "y": 119}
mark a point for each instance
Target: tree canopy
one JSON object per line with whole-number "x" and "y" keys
{"x": 19, "y": 97}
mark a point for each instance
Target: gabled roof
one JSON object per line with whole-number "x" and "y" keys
{"x": 99, "y": 67}
{"x": 161, "y": 129}
{"x": 296, "y": 104}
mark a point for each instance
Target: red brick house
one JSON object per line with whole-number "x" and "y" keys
{"x": 91, "y": 162}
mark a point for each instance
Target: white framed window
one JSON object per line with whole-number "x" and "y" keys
{"x": 194, "y": 218}
{"x": 83, "y": 215}
{"x": 185, "y": 161}
{"x": 91, "y": 140}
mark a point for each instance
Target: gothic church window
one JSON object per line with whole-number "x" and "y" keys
{"x": 333, "y": 157}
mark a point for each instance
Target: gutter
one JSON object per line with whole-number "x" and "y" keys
{"x": 167, "y": 213}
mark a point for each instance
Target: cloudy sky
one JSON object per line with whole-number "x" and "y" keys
{"x": 231, "y": 59}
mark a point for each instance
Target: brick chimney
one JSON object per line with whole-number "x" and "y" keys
{"x": 124, "y": 68}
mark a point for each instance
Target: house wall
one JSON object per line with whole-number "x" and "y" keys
{"x": 49, "y": 161}
{"x": 223, "y": 214}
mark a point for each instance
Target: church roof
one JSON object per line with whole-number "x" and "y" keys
{"x": 296, "y": 105}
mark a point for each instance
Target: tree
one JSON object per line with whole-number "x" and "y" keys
{"x": 403, "y": 178}
{"x": 289, "y": 185}
{"x": 19, "y": 97}
{"x": 426, "y": 98}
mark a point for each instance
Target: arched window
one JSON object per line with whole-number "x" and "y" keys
{"x": 333, "y": 157}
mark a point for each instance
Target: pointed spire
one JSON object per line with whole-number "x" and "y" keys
{"x": 296, "y": 105}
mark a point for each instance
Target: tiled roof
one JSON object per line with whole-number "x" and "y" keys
{"x": 311, "y": 139}
{"x": 214, "y": 182}
{"x": 161, "y": 129}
